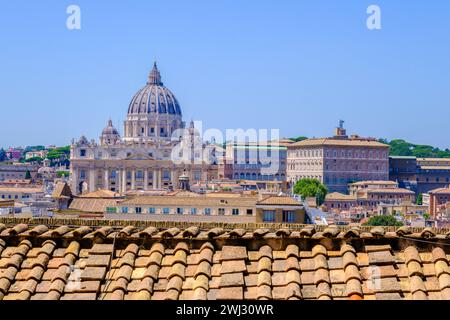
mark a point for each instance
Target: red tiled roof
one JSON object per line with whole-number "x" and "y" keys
{"x": 89, "y": 260}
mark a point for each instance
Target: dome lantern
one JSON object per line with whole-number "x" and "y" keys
{"x": 154, "y": 77}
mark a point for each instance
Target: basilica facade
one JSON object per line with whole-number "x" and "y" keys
{"x": 155, "y": 150}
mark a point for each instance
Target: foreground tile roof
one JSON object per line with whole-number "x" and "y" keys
{"x": 111, "y": 260}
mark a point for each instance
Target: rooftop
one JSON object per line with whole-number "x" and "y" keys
{"x": 277, "y": 200}
{"x": 338, "y": 142}
{"x": 374, "y": 182}
{"x": 100, "y": 194}
{"x": 389, "y": 190}
{"x": 22, "y": 189}
{"x": 336, "y": 196}
{"x": 42, "y": 259}
{"x": 212, "y": 201}
{"x": 440, "y": 191}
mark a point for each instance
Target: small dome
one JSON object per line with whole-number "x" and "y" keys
{"x": 110, "y": 130}
{"x": 154, "y": 98}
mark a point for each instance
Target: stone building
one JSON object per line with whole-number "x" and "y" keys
{"x": 264, "y": 161}
{"x": 437, "y": 201}
{"x": 155, "y": 150}
{"x": 338, "y": 161}
{"x": 17, "y": 171}
{"x": 420, "y": 174}
{"x": 212, "y": 207}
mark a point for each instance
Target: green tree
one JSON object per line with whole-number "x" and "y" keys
{"x": 383, "y": 221}
{"x": 297, "y": 139}
{"x": 59, "y": 153}
{"x": 419, "y": 200}
{"x": 311, "y": 188}
{"x": 28, "y": 175}
{"x": 34, "y": 159}
{"x": 399, "y": 147}
{"x": 60, "y": 174}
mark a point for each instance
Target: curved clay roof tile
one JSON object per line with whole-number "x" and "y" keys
{"x": 237, "y": 233}
{"x": 148, "y": 232}
{"x": 402, "y": 231}
{"x": 18, "y": 229}
{"x": 191, "y": 232}
{"x": 283, "y": 232}
{"x": 215, "y": 232}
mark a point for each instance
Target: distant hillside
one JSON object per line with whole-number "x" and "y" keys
{"x": 403, "y": 148}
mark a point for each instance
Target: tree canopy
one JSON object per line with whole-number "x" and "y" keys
{"x": 311, "y": 188}
{"x": 401, "y": 147}
{"x": 299, "y": 138}
{"x": 34, "y": 148}
{"x": 34, "y": 159}
{"x": 383, "y": 221}
{"x": 59, "y": 153}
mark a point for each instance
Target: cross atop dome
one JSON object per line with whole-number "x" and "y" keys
{"x": 154, "y": 76}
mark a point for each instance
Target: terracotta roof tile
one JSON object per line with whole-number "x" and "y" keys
{"x": 237, "y": 261}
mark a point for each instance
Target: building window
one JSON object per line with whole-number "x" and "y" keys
{"x": 166, "y": 210}
{"x": 193, "y": 211}
{"x": 166, "y": 175}
{"x": 288, "y": 216}
{"x": 138, "y": 210}
{"x": 235, "y": 212}
{"x": 82, "y": 153}
{"x": 111, "y": 210}
{"x": 207, "y": 211}
{"x": 152, "y": 210}
{"x": 124, "y": 209}
{"x": 249, "y": 212}
{"x": 269, "y": 216}
{"x": 221, "y": 211}
{"x": 180, "y": 210}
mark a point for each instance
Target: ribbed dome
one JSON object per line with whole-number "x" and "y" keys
{"x": 109, "y": 130}
{"x": 154, "y": 98}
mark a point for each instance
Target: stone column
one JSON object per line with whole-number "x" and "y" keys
{"x": 124, "y": 180}
{"x": 133, "y": 179}
{"x": 160, "y": 178}
{"x": 145, "y": 179}
{"x": 74, "y": 178}
{"x": 92, "y": 180}
{"x": 119, "y": 181}
{"x": 174, "y": 178}
{"x": 154, "y": 179}
{"x": 106, "y": 182}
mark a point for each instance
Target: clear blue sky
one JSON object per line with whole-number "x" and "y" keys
{"x": 299, "y": 66}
